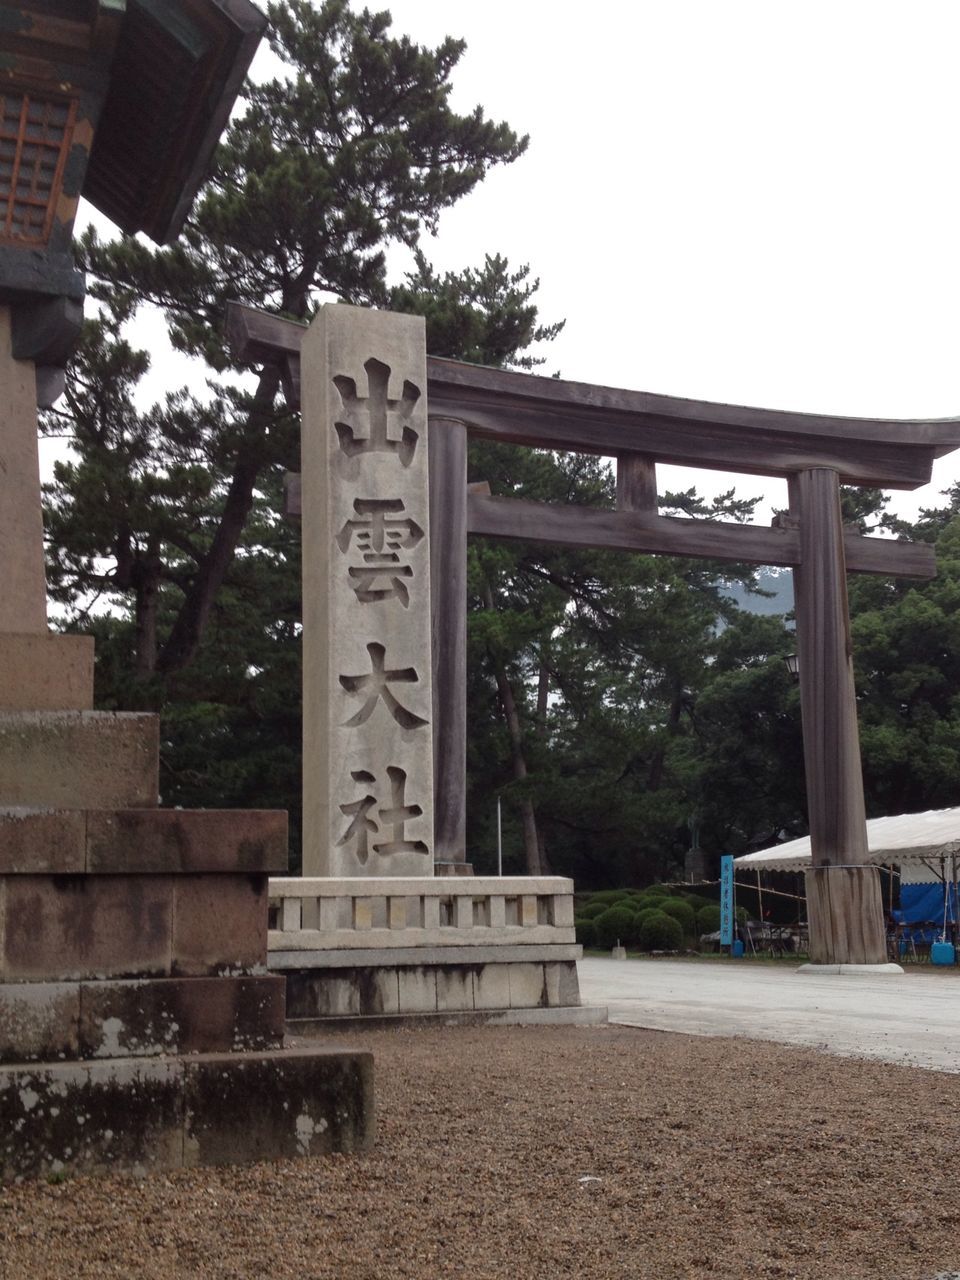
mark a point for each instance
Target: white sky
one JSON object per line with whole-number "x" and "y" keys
{"x": 738, "y": 200}
{"x": 749, "y": 201}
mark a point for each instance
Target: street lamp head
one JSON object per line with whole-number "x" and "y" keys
{"x": 792, "y": 663}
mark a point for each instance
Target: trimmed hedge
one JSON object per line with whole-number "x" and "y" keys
{"x": 590, "y": 910}
{"x": 683, "y": 913}
{"x": 586, "y": 931}
{"x": 617, "y": 924}
{"x": 645, "y": 900}
{"x": 660, "y": 932}
{"x": 609, "y": 896}
{"x": 708, "y": 919}
{"x": 697, "y": 900}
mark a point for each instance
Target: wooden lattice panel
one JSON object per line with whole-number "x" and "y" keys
{"x": 35, "y": 136}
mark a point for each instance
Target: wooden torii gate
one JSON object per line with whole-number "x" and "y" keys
{"x": 815, "y": 453}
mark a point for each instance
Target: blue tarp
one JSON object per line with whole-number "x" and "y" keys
{"x": 921, "y": 906}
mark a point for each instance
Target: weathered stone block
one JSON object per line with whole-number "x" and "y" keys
{"x": 462, "y": 912}
{"x": 39, "y": 1020}
{"x": 73, "y": 927}
{"x": 379, "y": 991}
{"x": 324, "y": 995}
{"x": 455, "y": 989}
{"x": 36, "y": 841}
{"x": 562, "y": 910}
{"x": 363, "y": 913}
{"x": 186, "y": 840}
{"x": 136, "y": 1115}
{"x": 219, "y": 924}
{"x": 527, "y": 910}
{"x": 527, "y": 986}
{"x": 342, "y": 993}
{"x": 266, "y": 1106}
{"x": 492, "y": 987}
{"x": 181, "y": 1015}
{"x": 417, "y": 990}
{"x": 79, "y": 760}
{"x": 46, "y": 672}
{"x": 562, "y": 984}
{"x": 90, "y": 1117}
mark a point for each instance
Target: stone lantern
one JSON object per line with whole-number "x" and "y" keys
{"x": 134, "y": 992}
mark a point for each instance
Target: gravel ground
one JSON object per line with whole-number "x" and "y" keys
{"x": 534, "y": 1153}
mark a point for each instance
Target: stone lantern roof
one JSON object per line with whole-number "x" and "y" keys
{"x": 121, "y": 101}
{"x": 177, "y": 70}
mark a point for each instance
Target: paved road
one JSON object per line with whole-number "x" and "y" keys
{"x": 913, "y": 1019}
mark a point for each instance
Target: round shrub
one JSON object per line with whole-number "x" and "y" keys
{"x": 646, "y": 911}
{"x": 660, "y": 890}
{"x": 683, "y": 913}
{"x": 609, "y": 896}
{"x": 649, "y": 901}
{"x": 708, "y": 918}
{"x": 586, "y": 932}
{"x": 617, "y": 924}
{"x": 697, "y": 900}
{"x": 590, "y": 910}
{"x": 660, "y": 932}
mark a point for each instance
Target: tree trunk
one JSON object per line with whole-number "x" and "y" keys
{"x": 655, "y": 772}
{"x": 147, "y": 599}
{"x": 187, "y": 632}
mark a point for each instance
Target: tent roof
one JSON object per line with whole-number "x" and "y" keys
{"x": 902, "y": 839}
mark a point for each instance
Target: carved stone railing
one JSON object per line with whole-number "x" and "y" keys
{"x": 326, "y": 914}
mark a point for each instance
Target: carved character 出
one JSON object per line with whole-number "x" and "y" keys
{"x": 376, "y": 424}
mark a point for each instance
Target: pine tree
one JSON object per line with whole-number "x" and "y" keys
{"x": 353, "y": 147}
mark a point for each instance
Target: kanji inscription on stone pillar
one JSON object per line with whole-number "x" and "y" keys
{"x": 367, "y": 733}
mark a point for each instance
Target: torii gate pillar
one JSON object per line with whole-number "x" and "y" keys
{"x": 844, "y": 904}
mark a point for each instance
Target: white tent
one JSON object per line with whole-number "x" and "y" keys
{"x": 923, "y": 845}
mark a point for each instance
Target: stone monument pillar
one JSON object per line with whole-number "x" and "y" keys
{"x": 368, "y": 735}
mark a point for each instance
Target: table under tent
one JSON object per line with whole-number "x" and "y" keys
{"x": 920, "y": 852}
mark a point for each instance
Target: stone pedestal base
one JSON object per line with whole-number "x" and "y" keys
{"x": 137, "y": 1021}
{"x": 845, "y": 912}
{"x": 79, "y": 759}
{"x": 46, "y": 672}
{"x": 429, "y": 981}
{"x": 137, "y": 1115}
{"x": 477, "y": 948}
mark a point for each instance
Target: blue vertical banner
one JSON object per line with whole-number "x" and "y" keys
{"x": 726, "y": 900}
